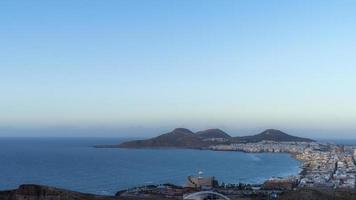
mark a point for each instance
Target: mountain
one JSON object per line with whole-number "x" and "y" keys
{"x": 184, "y": 138}
{"x": 213, "y": 133}
{"x": 179, "y": 137}
{"x": 272, "y": 135}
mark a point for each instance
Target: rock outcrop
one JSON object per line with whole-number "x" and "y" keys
{"x": 39, "y": 192}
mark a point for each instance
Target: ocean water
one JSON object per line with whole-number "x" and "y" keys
{"x": 73, "y": 163}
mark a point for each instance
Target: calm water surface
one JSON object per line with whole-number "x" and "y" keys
{"x": 73, "y": 163}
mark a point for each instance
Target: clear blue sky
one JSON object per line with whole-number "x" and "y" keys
{"x": 137, "y": 65}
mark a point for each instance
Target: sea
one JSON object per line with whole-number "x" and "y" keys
{"x": 74, "y": 164}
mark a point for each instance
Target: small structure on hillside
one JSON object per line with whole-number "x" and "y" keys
{"x": 201, "y": 182}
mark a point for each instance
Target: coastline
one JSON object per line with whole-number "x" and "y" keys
{"x": 290, "y": 154}
{"x": 320, "y": 165}
{"x": 302, "y": 171}
{"x": 120, "y": 169}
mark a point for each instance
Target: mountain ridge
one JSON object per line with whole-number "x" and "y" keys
{"x": 213, "y": 133}
{"x": 185, "y": 138}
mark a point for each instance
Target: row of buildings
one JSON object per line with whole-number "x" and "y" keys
{"x": 266, "y": 146}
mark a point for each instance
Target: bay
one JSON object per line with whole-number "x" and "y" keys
{"x": 73, "y": 163}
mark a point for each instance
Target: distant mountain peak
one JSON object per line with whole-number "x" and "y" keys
{"x": 179, "y": 137}
{"x": 273, "y": 135}
{"x": 182, "y": 130}
{"x": 273, "y": 132}
{"x": 213, "y": 133}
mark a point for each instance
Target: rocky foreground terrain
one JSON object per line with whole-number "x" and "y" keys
{"x": 40, "y": 192}
{"x": 37, "y": 192}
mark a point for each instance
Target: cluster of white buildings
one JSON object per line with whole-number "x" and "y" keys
{"x": 318, "y": 168}
{"x": 345, "y": 174}
{"x": 332, "y": 168}
{"x": 266, "y": 146}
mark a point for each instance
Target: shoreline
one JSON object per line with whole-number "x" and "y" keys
{"x": 326, "y": 165}
{"x": 292, "y": 155}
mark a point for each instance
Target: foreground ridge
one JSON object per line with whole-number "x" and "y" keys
{"x": 172, "y": 192}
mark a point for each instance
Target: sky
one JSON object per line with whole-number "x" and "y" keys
{"x": 136, "y": 67}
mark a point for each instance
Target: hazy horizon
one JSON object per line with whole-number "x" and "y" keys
{"x": 144, "y": 132}
{"x": 142, "y": 68}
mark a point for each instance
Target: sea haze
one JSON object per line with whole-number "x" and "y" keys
{"x": 73, "y": 163}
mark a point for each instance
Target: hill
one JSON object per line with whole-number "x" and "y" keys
{"x": 179, "y": 137}
{"x": 213, "y": 133}
{"x": 272, "y": 135}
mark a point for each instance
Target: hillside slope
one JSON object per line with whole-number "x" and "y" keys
{"x": 179, "y": 137}
{"x": 271, "y": 135}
